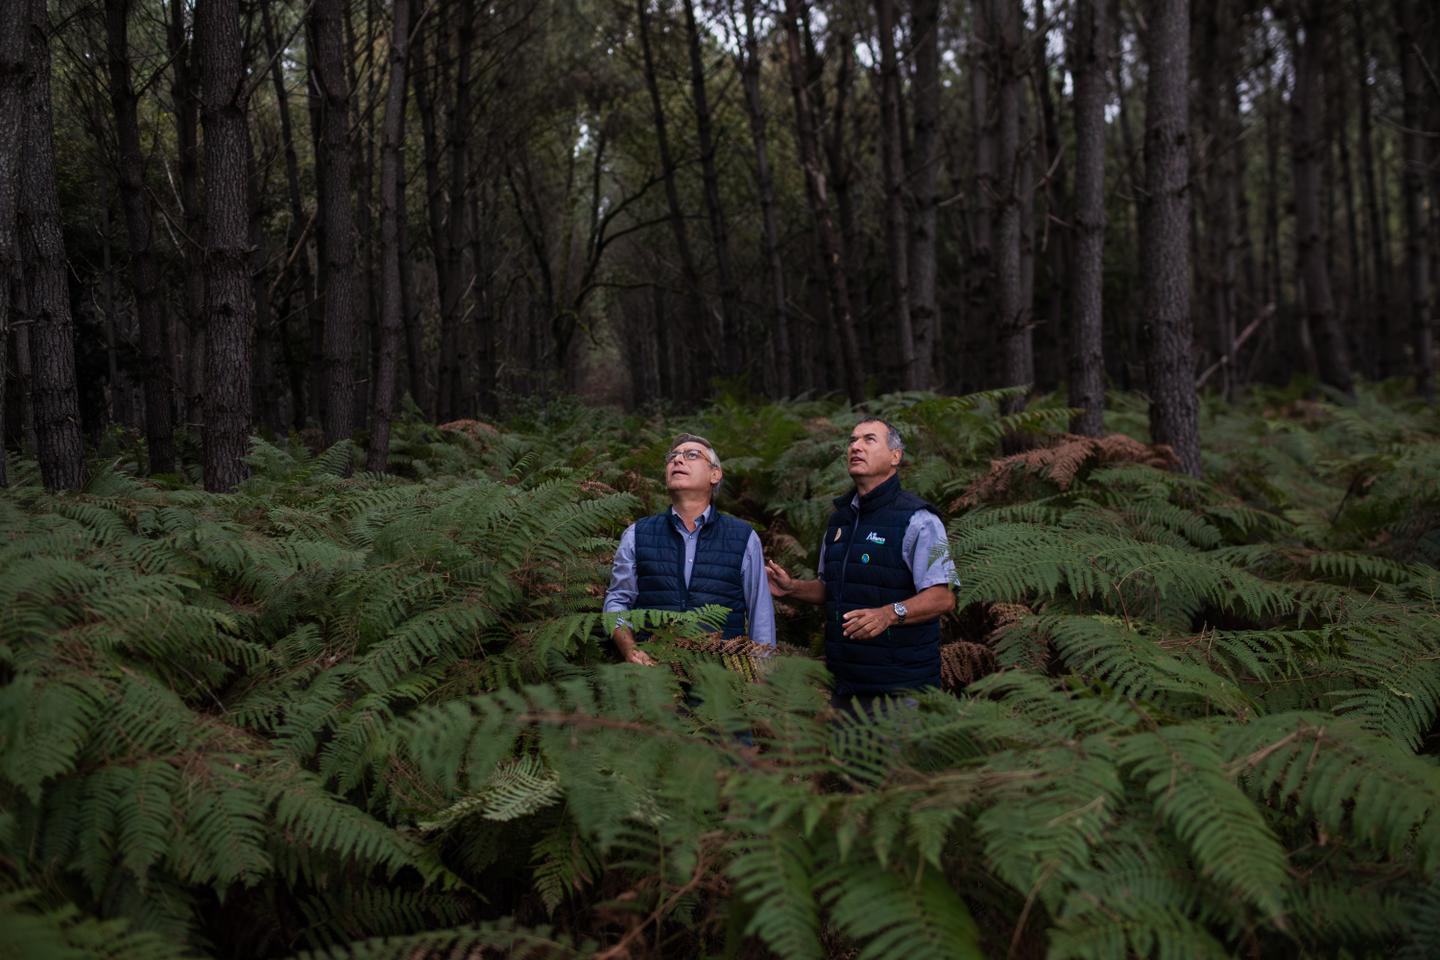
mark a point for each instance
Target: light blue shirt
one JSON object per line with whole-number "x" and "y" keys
{"x": 624, "y": 587}
{"x": 926, "y": 550}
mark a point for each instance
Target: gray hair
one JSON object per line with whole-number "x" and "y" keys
{"x": 710, "y": 454}
{"x": 893, "y": 440}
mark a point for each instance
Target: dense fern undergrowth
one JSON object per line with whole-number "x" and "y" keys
{"x": 376, "y": 716}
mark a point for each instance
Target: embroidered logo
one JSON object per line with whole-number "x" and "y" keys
{"x": 874, "y": 537}
{"x": 864, "y": 558}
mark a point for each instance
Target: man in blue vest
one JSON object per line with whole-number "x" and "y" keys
{"x": 691, "y": 555}
{"x": 885, "y": 577}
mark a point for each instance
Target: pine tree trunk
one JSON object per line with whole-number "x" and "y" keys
{"x": 228, "y": 301}
{"x": 925, "y": 161}
{"x": 14, "y": 76}
{"x": 690, "y": 274}
{"x": 1390, "y": 358}
{"x": 422, "y": 84}
{"x": 149, "y": 305}
{"x": 188, "y": 339}
{"x": 734, "y": 340}
{"x": 1308, "y": 150}
{"x": 47, "y": 293}
{"x": 897, "y": 250}
{"x": 1012, "y": 308}
{"x": 1087, "y": 362}
{"x": 392, "y": 206}
{"x": 981, "y": 281}
{"x": 453, "y": 361}
{"x": 765, "y": 181}
{"x": 296, "y": 235}
{"x": 1412, "y": 187}
{"x": 1165, "y": 234}
{"x": 337, "y": 217}
{"x": 817, "y": 193}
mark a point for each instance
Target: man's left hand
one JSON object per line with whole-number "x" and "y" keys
{"x": 868, "y": 623}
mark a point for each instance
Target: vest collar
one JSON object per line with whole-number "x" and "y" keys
{"x": 701, "y": 522}
{"x": 881, "y": 496}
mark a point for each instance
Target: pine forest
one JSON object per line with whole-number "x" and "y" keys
{"x": 346, "y": 346}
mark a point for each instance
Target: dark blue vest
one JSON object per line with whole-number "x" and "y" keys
{"x": 865, "y": 567}
{"x": 715, "y": 578}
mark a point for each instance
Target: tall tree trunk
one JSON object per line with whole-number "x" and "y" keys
{"x": 364, "y": 355}
{"x": 1165, "y": 234}
{"x": 734, "y": 340}
{"x": 689, "y": 272}
{"x": 422, "y": 84}
{"x": 47, "y": 293}
{"x": 981, "y": 281}
{"x": 925, "y": 160}
{"x": 188, "y": 344}
{"x": 1013, "y": 310}
{"x": 1087, "y": 361}
{"x": 14, "y": 77}
{"x": 154, "y": 344}
{"x": 818, "y": 195}
{"x": 228, "y": 301}
{"x": 892, "y": 164}
{"x": 765, "y": 181}
{"x": 453, "y": 362}
{"x": 264, "y": 380}
{"x": 392, "y": 206}
{"x": 1390, "y": 355}
{"x": 337, "y": 217}
{"x": 1308, "y": 151}
{"x": 1054, "y": 244}
{"x": 1412, "y": 186}
{"x": 296, "y": 235}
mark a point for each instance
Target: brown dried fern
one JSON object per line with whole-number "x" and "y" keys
{"x": 1060, "y": 463}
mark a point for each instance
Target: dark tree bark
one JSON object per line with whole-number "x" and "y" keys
{"x": 149, "y": 305}
{"x": 296, "y": 236}
{"x": 47, "y": 294}
{"x": 1165, "y": 234}
{"x": 228, "y": 301}
{"x": 1087, "y": 363}
{"x": 1412, "y": 187}
{"x": 337, "y": 218}
{"x": 14, "y": 77}
{"x": 422, "y": 84}
{"x": 690, "y": 274}
{"x": 453, "y": 361}
{"x": 733, "y": 339}
{"x": 892, "y": 165}
{"x": 817, "y": 192}
{"x": 1390, "y": 356}
{"x": 188, "y": 337}
{"x": 765, "y": 181}
{"x": 985, "y": 131}
{"x": 925, "y": 160}
{"x": 392, "y": 205}
{"x": 1308, "y": 150}
{"x": 1013, "y": 190}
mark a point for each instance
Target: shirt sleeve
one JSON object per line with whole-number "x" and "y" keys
{"x": 927, "y": 552}
{"x": 623, "y": 587}
{"x": 757, "y": 593}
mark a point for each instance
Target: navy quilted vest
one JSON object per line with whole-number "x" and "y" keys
{"x": 865, "y": 567}
{"x": 715, "y": 578}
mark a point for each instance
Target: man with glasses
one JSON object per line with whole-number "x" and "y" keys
{"x": 691, "y": 555}
{"x": 884, "y": 577}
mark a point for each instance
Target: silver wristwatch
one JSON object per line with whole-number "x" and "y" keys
{"x": 900, "y": 611}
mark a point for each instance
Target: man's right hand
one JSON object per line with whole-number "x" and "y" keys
{"x": 781, "y": 583}
{"x": 636, "y": 655}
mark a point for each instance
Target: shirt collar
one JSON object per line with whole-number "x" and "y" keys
{"x": 700, "y": 521}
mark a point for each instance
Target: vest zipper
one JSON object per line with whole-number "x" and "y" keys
{"x": 845, "y": 564}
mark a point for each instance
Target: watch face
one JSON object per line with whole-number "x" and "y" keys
{"x": 901, "y": 611}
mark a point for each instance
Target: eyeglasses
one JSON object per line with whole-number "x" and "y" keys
{"x": 690, "y": 455}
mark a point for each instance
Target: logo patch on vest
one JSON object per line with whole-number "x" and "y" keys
{"x": 864, "y": 558}
{"x": 873, "y": 537}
